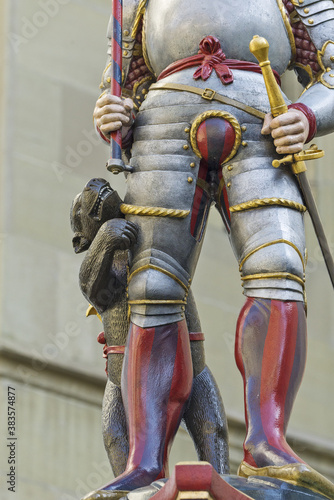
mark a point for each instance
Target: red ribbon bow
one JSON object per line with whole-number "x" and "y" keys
{"x": 213, "y": 59}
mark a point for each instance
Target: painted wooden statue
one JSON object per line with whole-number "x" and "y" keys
{"x": 197, "y": 130}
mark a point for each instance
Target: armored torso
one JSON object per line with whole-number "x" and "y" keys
{"x": 174, "y": 28}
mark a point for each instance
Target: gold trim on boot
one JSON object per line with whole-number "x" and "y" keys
{"x": 298, "y": 474}
{"x": 106, "y": 495}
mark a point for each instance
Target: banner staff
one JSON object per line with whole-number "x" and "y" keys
{"x": 115, "y": 163}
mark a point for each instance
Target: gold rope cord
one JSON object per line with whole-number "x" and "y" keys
{"x": 153, "y": 211}
{"x": 267, "y": 202}
{"x": 287, "y": 242}
{"x": 288, "y": 28}
{"x": 155, "y": 302}
{"x": 160, "y": 269}
{"x": 281, "y": 276}
{"x": 141, "y": 10}
{"x": 216, "y": 114}
{"x": 139, "y": 16}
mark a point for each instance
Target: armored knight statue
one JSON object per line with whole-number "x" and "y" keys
{"x": 192, "y": 123}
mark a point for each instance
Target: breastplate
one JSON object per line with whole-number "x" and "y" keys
{"x": 174, "y": 28}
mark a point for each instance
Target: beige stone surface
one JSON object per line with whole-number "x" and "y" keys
{"x": 53, "y": 61}
{"x": 59, "y": 446}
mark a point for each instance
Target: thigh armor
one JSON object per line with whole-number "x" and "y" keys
{"x": 178, "y": 173}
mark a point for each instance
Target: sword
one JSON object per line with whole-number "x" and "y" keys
{"x": 115, "y": 163}
{"x": 259, "y": 47}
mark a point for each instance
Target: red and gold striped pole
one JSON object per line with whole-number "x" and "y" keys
{"x": 115, "y": 163}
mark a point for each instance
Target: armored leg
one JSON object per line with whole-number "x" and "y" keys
{"x": 156, "y": 383}
{"x": 270, "y": 353}
{"x": 271, "y": 343}
{"x": 210, "y": 440}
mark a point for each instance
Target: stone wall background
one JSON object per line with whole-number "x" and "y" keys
{"x": 52, "y": 55}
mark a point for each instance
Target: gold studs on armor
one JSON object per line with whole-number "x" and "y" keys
{"x": 193, "y": 165}
{"x": 190, "y": 180}
{"x": 186, "y": 146}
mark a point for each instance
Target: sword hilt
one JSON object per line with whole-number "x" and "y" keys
{"x": 259, "y": 47}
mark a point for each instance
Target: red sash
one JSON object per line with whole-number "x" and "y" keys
{"x": 209, "y": 57}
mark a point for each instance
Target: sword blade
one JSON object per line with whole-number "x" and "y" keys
{"x": 317, "y": 224}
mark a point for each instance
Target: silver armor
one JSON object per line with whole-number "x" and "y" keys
{"x": 267, "y": 232}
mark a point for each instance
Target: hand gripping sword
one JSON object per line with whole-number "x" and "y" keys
{"x": 259, "y": 47}
{"x": 115, "y": 163}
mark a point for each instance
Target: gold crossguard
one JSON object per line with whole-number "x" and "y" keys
{"x": 297, "y": 160}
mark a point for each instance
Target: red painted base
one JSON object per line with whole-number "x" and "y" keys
{"x": 197, "y": 480}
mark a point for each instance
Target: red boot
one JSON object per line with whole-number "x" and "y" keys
{"x": 156, "y": 383}
{"x": 270, "y": 352}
